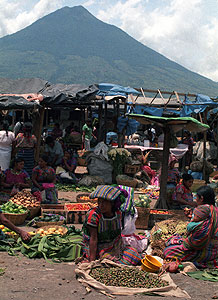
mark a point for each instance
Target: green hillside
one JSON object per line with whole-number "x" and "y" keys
{"x": 72, "y": 46}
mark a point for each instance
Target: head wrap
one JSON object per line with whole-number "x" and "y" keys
{"x": 106, "y": 192}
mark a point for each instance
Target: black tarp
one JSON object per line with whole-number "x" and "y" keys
{"x": 54, "y": 95}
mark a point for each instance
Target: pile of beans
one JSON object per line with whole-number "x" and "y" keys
{"x": 127, "y": 277}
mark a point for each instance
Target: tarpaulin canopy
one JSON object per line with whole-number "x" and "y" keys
{"x": 29, "y": 92}
{"x": 113, "y": 90}
{"x": 183, "y": 109}
{"x": 188, "y": 123}
{"x": 67, "y": 95}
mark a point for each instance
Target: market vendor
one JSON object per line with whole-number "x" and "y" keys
{"x": 102, "y": 228}
{"x": 153, "y": 180}
{"x": 69, "y": 164}
{"x": 54, "y": 150}
{"x": 182, "y": 196}
{"x": 4, "y": 221}
{"x": 16, "y": 177}
{"x": 201, "y": 244}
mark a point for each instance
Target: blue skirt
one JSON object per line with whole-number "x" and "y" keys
{"x": 28, "y": 156}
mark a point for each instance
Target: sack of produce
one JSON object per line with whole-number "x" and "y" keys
{"x": 114, "y": 279}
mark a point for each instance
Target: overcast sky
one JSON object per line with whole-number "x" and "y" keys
{"x": 185, "y": 31}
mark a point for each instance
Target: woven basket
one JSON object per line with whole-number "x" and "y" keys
{"x": 78, "y": 199}
{"x": 131, "y": 183}
{"x": 143, "y": 218}
{"x": 196, "y": 184}
{"x": 16, "y": 219}
{"x": 54, "y": 226}
{"x": 34, "y": 211}
{"x": 51, "y": 224}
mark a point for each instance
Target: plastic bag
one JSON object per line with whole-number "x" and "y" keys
{"x": 129, "y": 224}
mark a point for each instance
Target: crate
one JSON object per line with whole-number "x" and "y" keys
{"x": 132, "y": 169}
{"x": 143, "y": 217}
{"x": 58, "y": 209}
{"x": 131, "y": 183}
{"x": 75, "y": 217}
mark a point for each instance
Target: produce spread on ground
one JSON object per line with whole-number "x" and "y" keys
{"x": 126, "y": 277}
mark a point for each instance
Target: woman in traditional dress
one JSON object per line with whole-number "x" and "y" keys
{"x": 201, "y": 244}
{"x": 102, "y": 228}
{"x": 26, "y": 144}
{"x": 182, "y": 195}
{"x": 7, "y": 140}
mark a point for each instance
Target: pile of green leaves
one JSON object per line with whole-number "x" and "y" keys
{"x": 208, "y": 275}
{"x": 53, "y": 248}
{"x": 73, "y": 188}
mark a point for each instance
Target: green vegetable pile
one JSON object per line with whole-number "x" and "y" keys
{"x": 143, "y": 201}
{"x": 127, "y": 277}
{"x": 49, "y": 218}
{"x": 13, "y": 208}
{"x": 73, "y": 188}
{"x": 53, "y": 248}
{"x": 207, "y": 274}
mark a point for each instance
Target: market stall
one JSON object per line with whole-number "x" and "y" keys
{"x": 169, "y": 127}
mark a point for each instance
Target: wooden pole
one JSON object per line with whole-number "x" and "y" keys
{"x": 38, "y": 131}
{"x": 204, "y": 148}
{"x": 164, "y": 170}
{"x": 100, "y": 123}
{"x": 105, "y": 121}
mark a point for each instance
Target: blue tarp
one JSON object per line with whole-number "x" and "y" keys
{"x": 199, "y": 105}
{"x": 109, "y": 89}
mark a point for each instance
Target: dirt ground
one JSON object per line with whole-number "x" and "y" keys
{"x": 36, "y": 279}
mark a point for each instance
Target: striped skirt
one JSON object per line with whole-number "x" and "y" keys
{"x": 27, "y": 154}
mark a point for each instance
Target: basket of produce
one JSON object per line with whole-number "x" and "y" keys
{"x": 164, "y": 230}
{"x": 48, "y": 220}
{"x": 55, "y": 229}
{"x": 26, "y": 199}
{"x": 77, "y": 207}
{"x": 196, "y": 184}
{"x": 84, "y": 198}
{"x": 15, "y": 213}
{"x": 126, "y": 180}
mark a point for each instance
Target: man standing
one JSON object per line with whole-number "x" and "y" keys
{"x": 87, "y": 134}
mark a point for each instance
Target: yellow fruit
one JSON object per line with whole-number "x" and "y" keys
{"x": 2, "y": 226}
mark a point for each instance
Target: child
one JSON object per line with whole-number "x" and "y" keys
{"x": 51, "y": 195}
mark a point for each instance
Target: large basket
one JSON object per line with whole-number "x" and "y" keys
{"x": 33, "y": 212}
{"x": 196, "y": 184}
{"x": 131, "y": 183}
{"x": 16, "y": 219}
{"x": 51, "y": 224}
{"x": 143, "y": 217}
{"x": 78, "y": 199}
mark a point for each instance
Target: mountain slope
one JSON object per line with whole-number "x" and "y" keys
{"x": 72, "y": 46}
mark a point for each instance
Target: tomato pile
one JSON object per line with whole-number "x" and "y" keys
{"x": 77, "y": 206}
{"x": 159, "y": 212}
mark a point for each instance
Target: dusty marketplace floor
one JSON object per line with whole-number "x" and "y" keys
{"x": 36, "y": 279}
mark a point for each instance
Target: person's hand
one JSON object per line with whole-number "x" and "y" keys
{"x": 25, "y": 235}
{"x": 188, "y": 212}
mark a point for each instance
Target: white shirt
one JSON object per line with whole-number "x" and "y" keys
{"x": 6, "y": 141}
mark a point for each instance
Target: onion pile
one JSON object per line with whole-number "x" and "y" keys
{"x": 26, "y": 199}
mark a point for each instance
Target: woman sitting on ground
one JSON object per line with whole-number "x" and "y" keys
{"x": 16, "y": 177}
{"x": 102, "y": 228}
{"x": 201, "y": 244}
{"x": 182, "y": 196}
{"x": 69, "y": 164}
{"x": 44, "y": 179}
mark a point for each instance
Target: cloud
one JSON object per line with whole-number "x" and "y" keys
{"x": 180, "y": 30}
{"x": 14, "y": 17}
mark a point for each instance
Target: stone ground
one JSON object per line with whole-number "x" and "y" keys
{"x": 36, "y": 279}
